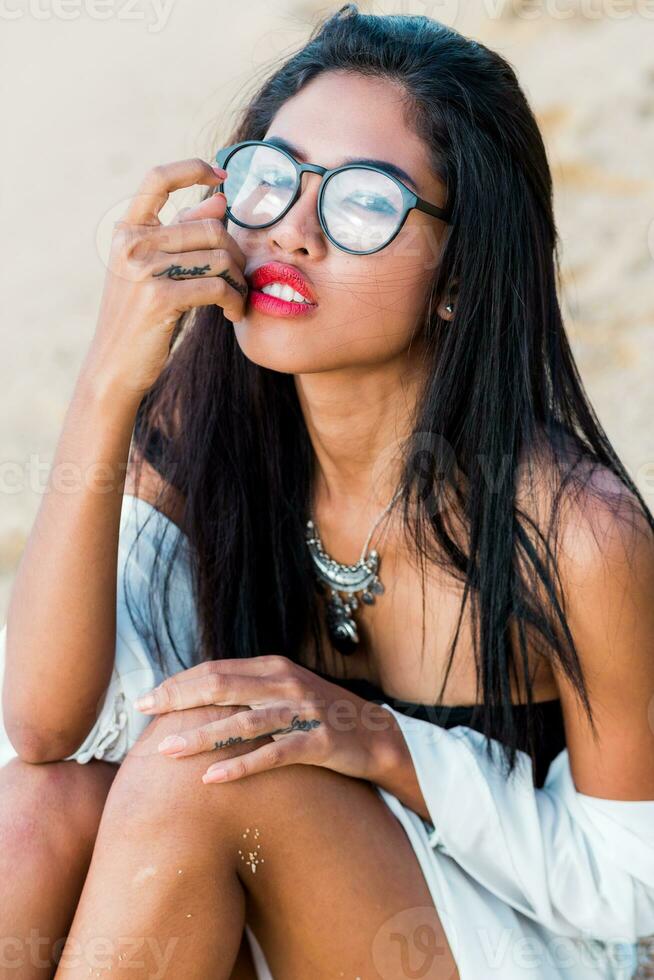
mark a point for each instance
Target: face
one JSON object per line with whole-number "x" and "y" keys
{"x": 369, "y": 307}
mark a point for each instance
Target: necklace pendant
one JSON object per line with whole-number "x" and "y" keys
{"x": 341, "y": 626}
{"x": 360, "y": 579}
{"x": 375, "y": 588}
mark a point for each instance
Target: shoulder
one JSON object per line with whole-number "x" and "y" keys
{"x": 604, "y": 571}
{"x": 596, "y": 522}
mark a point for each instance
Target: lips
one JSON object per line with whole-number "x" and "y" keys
{"x": 280, "y": 272}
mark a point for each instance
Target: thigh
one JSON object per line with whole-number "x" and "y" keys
{"x": 334, "y": 887}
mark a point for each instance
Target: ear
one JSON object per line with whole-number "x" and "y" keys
{"x": 447, "y": 308}
{"x": 447, "y": 305}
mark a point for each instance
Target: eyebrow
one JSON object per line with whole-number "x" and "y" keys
{"x": 390, "y": 168}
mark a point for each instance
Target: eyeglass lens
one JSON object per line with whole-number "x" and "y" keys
{"x": 361, "y": 208}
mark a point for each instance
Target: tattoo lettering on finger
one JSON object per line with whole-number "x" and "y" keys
{"x": 238, "y": 286}
{"x": 179, "y": 271}
{"x": 297, "y": 725}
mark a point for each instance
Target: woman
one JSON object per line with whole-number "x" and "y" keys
{"x": 374, "y": 544}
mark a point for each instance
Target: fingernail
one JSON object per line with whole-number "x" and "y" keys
{"x": 215, "y": 774}
{"x": 219, "y": 171}
{"x": 145, "y": 701}
{"x": 172, "y": 742}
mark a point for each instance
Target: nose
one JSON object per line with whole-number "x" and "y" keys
{"x": 299, "y": 229}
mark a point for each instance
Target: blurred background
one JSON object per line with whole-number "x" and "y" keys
{"x": 94, "y": 92}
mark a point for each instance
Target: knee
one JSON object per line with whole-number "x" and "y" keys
{"x": 152, "y": 789}
{"x": 49, "y": 806}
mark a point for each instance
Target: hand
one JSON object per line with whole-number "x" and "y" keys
{"x": 309, "y": 719}
{"x": 157, "y": 272}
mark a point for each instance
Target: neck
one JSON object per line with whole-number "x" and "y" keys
{"x": 358, "y": 420}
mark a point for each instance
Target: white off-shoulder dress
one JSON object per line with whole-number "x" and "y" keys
{"x": 528, "y": 882}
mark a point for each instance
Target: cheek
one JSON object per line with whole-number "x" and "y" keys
{"x": 398, "y": 287}
{"x": 414, "y": 257}
{"x": 380, "y": 314}
{"x": 371, "y": 306}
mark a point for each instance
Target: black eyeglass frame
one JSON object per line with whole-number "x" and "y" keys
{"x": 409, "y": 199}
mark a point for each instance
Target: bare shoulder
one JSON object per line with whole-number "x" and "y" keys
{"x": 605, "y": 578}
{"x": 607, "y": 572}
{"x": 598, "y": 517}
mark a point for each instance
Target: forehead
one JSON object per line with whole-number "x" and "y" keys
{"x": 339, "y": 115}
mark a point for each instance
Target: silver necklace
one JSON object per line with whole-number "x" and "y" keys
{"x": 346, "y": 584}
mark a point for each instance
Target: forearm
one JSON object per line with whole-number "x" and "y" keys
{"x": 61, "y": 616}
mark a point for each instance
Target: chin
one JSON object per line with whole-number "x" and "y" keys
{"x": 278, "y": 345}
{"x": 293, "y": 347}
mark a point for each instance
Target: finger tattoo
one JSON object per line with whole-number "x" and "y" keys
{"x": 297, "y": 725}
{"x": 178, "y": 271}
{"x": 238, "y": 286}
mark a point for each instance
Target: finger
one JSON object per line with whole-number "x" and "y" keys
{"x": 180, "y": 692}
{"x": 280, "y": 718}
{"x": 159, "y": 181}
{"x": 213, "y": 206}
{"x": 187, "y": 236}
{"x": 283, "y": 751}
{"x": 201, "y": 263}
{"x": 219, "y": 290}
{"x": 260, "y": 666}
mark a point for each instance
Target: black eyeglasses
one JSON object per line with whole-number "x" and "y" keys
{"x": 361, "y": 208}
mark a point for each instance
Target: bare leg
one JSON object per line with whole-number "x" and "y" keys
{"x": 49, "y": 816}
{"x": 335, "y": 891}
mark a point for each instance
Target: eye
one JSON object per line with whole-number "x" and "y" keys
{"x": 372, "y": 202}
{"x": 275, "y": 179}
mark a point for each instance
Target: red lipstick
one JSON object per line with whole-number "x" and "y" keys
{"x": 287, "y": 275}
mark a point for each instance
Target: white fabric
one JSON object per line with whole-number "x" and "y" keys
{"x": 529, "y": 883}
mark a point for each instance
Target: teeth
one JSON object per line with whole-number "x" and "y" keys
{"x": 283, "y": 291}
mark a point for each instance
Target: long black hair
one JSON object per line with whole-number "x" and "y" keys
{"x": 502, "y": 392}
